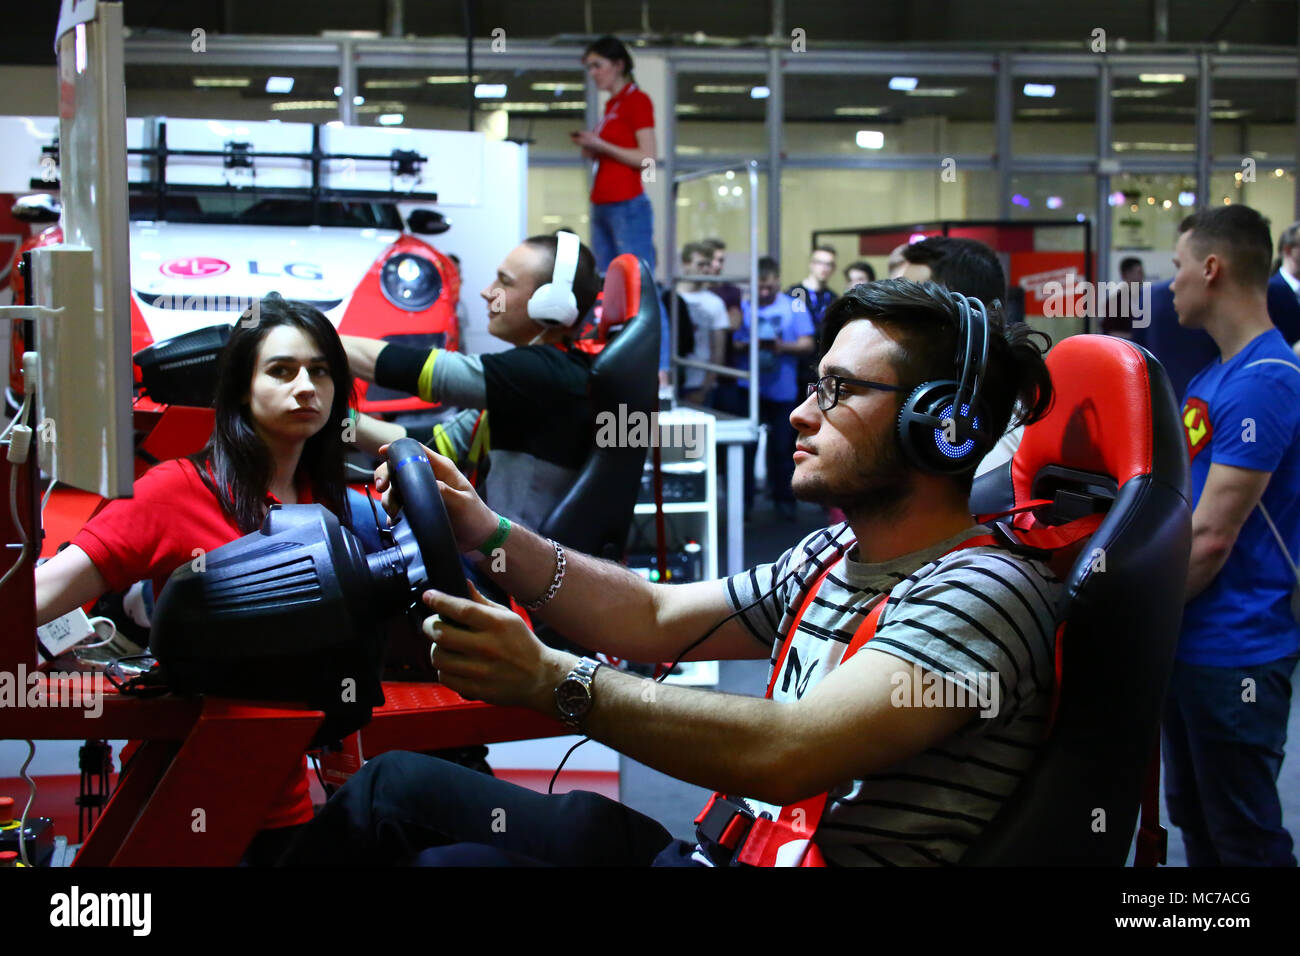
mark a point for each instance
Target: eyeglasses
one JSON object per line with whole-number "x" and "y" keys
{"x": 827, "y": 389}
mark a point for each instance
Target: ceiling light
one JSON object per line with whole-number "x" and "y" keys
{"x": 860, "y": 110}
{"x": 536, "y": 106}
{"x": 284, "y": 105}
{"x": 449, "y": 79}
{"x": 1039, "y": 89}
{"x": 1135, "y": 93}
{"x": 1154, "y": 147}
{"x": 358, "y": 100}
{"x": 1187, "y": 199}
{"x": 558, "y": 87}
{"x": 722, "y": 89}
{"x": 489, "y": 91}
{"x": 870, "y": 139}
{"x": 279, "y": 84}
{"x": 236, "y": 81}
{"x": 1055, "y": 202}
{"x": 902, "y": 82}
{"x": 338, "y": 91}
{"x": 760, "y": 92}
{"x": 391, "y": 119}
{"x": 392, "y": 84}
{"x": 937, "y": 91}
{"x": 1162, "y": 77}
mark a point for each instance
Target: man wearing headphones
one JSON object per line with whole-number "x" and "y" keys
{"x": 894, "y": 752}
{"x": 530, "y": 401}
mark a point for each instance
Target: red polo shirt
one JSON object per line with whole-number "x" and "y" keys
{"x": 627, "y": 111}
{"x": 155, "y": 532}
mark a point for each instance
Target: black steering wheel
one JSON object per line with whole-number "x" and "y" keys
{"x": 422, "y": 508}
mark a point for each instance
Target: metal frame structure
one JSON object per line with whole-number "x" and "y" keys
{"x": 1202, "y": 66}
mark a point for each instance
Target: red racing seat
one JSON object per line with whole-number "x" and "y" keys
{"x": 1112, "y": 442}
{"x": 594, "y": 516}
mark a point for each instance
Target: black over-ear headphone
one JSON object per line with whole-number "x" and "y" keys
{"x": 942, "y": 426}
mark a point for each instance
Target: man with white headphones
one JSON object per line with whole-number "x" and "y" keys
{"x": 534, "y": 395}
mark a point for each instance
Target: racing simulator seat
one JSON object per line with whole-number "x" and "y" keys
{"x": 596, "y": 513}
{"x": 1112, "y": 444}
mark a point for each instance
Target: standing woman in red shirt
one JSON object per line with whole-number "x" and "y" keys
{"x": 278, "y": 437}
{"x": 621, "y": 217}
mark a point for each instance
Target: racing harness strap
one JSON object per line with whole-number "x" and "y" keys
{"x": 788, "y": 840}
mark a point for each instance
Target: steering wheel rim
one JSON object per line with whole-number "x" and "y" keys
{"x": 417, "y": 491}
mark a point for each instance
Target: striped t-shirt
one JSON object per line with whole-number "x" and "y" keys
{"x": 962, "y": 618}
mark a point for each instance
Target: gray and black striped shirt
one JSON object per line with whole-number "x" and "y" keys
{"x": 969, "y": 620}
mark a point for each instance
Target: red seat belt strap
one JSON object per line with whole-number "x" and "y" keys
{"x": 788, "y": 840}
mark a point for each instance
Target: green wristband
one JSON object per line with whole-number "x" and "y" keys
{"x": 497, "y": 538}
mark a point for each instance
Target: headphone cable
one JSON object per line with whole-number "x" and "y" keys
{"x": 834, "y": 543}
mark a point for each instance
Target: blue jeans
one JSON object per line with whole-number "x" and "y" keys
{"x": 1222, "y": 756}
{"x": 619, "y": 227}
{"x": 628, "y": 226}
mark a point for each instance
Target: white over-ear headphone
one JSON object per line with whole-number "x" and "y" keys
{"x": 554, "y": 303}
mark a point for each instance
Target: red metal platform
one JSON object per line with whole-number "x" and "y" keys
{"x": 208, "y": 770}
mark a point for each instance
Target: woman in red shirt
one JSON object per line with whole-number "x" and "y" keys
{"x": 622, "y": 147}
{"x": 278, "y": 437}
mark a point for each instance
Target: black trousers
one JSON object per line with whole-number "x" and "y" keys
{"x": 406, "y": 809}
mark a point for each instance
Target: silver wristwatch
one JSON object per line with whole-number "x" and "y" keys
{"x": 573, "y": 696}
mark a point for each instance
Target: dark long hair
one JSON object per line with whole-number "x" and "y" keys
{"x": 612, "y": 48}
{"x": 240, "y": 461}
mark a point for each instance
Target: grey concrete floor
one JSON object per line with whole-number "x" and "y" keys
{"x": 675, "y": 804}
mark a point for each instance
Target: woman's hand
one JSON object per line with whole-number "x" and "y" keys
{"x": 472, "y": 521}
{"x": 588, "y": 140}
{"x": 490, "y": 654}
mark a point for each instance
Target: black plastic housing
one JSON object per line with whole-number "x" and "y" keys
{"x": 183, "y": 370}
{"x": 288, "y": 613}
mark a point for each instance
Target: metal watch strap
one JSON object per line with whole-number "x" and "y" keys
{"x": 584, "y": 673}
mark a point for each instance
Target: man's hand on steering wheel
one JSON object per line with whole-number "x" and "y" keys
{"x": 491, "y": 655}
{"x": 472, "y": 521}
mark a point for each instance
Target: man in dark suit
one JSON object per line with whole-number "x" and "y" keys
{"x": 1284, "y": 286}
{"x": 1182, "y": 351}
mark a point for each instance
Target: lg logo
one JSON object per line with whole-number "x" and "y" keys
{"x": 205, "y": 267}
{"x": 194, "y": 267}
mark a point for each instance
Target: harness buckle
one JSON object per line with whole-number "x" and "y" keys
{"x": 724, "y": 822}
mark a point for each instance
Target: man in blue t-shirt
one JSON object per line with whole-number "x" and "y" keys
{"x": 785, "y": 335}
{"x": 1229, "y": 698}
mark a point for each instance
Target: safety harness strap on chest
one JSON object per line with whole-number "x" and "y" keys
{"x": 788, "y": 840}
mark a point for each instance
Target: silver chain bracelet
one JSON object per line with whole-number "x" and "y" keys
{"x": 560, "y": 564}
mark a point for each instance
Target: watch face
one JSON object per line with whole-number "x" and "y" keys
{"x": 572, "y": 697}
